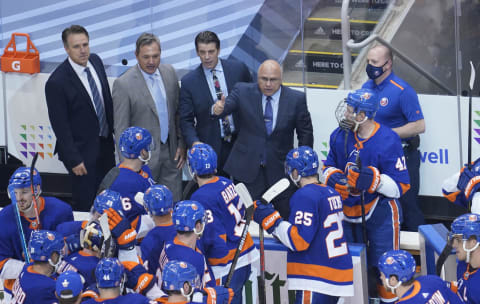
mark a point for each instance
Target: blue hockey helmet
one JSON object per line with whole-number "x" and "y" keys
{"x": 92, "y": 237}
{"x": 21, "y": 178}
{"x": 202, "y": 160}
{"x": 176, "y": 273}
{"x": 158, "y": 200}
{"x": 43, "y": 243}
{"x": 186, "y": 214}
{"x": 304, "y": 159}
{"x": 133, "y": 140}
{"x": 466, "y": 225}
{"x": 399, "y": 263}
{"x": 363, "y": 100}
{"x": 109, "y": 273}
{"x": 107, "y": 199}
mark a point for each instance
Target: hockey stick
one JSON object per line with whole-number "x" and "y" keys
{"x": 107, "y": 250}
{"x": 11, "y": 193}
{"x": 472, "y": 80}
{"x": 246, "y": 200}
{"x": 267, "y": 198}
{"x": 108, "y": 179}
{"x": 358, "y": 161}
{"x": 34, "y": 194}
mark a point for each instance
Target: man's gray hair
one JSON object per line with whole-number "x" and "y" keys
{"x": 146, "y": 39}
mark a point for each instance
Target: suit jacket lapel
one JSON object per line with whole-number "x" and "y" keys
{"x": 203, "y": 83}
{"x": 257, "y": 99}
{"x": 227, "y": 72}
{"x": 168, "y": 91}
{"x": 282, "y": 109}
{"x": 77, "y": 83}
{"x": 140, "y": 85}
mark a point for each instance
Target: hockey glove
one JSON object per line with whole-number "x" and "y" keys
{"x": 218, "y": 295}
{"x": 266, "y": 216}
{"x": 468, "y": 182}
{"x": 64, "y": 266}
{"x": 121, "y": 229}
{"x": 337, "y": 180}
{"x": 73, "y": 243}
{"x": 367, "y": 178}
{"x": 138, "y": 278}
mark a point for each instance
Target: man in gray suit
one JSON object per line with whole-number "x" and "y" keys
{"x": 146, "y": 96}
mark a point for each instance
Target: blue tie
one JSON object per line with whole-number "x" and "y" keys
{"x": 268, "y": 115}
{"x": 161, "y": 105}
{"x": 97, "y": 101}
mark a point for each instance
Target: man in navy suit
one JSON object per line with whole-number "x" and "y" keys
{"x": 81, "y": 114}
{"x": 198, "y": 93}
{"x": 269, "y": 114}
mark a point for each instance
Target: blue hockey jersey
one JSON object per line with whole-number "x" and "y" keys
{"x": 131, "y": 298}
{"x": 383, "y": 150}
{"x": 319, "y": 259}
{"x": 225, "y": 215}
{"x": 52, "y": 212}
{"x": 33, "y": 288}
{"x": 129, "y": 182}
{"x": 153, "y": 243}
{"x": 85, "y": 265}
{"x": 429, "y": 289}
{"x": 468, "y": 283}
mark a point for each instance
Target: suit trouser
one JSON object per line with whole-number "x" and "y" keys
{"x": 84, "y": 188}
{"x": 168, "y": 174}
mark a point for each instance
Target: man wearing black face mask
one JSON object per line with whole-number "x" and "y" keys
{"x": 400, "y": 110}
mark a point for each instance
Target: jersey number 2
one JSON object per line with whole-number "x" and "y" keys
{"x": 332, "y": 236}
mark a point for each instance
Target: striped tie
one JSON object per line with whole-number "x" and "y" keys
{"x": 97, "y": 101}
{"x": 227, "y": 130}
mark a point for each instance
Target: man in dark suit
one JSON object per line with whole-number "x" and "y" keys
{"x": 269, "y": 114}
{"x": 81, "y": 114}
{"x": 198, "y": 93}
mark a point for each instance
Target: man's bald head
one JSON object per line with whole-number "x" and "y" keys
{"x": 269, "y": 77}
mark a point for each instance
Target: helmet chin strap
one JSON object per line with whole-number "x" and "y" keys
{"x": 199, "y": 232}
{"x": 189, "y": 294}
{"x": 55, "y": 266}
{"x": 392, "y": 288}
{"x": 469, "y": 251}
{"x": 145, "y": 160}
{"x": 357, "y": 124}
{"x": 295, "y": 181}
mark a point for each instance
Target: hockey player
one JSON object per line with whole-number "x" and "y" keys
{"x": 52, "y": 212}
{"x": 85, "y": 260}
{"x": 465, "y": 234}
{"x": 397, "y": 268}
{"x": 159, "y": 204}
{"x": 189, "y": 219}
{"x": 136, "y": 146}
{"x": 180, "y": 280}
{"x": 366, "y": 165}
{"x": 462, "y": 187}
{"x": 319, "y": 266}
{"x": 35, "y": 284}
{"x": 110, "y": 275}
{"x": 68, "y": 288}
{"x": 225, "y": 213}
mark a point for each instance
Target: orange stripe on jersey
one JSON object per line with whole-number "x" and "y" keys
{"x": 359, "y": 143}
{"x": 84, "y": 224}
{"x": 135, "y": 223}
{"x": 223, "y": 237}
{"x": 405, "y": 187}
{"x": 213, "y": 180}
{"x": 385, "y": 294}
{"x": 299, "y": 243}
{"x": 357, "y": 209}
{"x": 84, "y": 253}
{"x": 452, "y": 196}
{"x": 2, "y": 262}
{"x": 396, "y": 224}
{"x": 8, "y": 284}
{"x": 307, "y": 297}
{"x": 416, "y": 289}
{"x": 324, "y": 272}
{"x": 227, "y": 258}
{"x": 396, "y": 84}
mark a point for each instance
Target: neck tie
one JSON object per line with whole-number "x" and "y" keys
{"x": 227, "y": 131}
{"x": 161, "y": 106}
{"x": 97, "y": 101}
{"x": 268, "y": 115}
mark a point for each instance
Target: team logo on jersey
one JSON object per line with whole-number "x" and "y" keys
{"x": 50, "y": 236}
{"x": 390, "y": 260}
{"x": 138, "y": 136}
{"x": 183, "y": 264}
{"x": 472, "y": 218}
{"x": 384, "y": 101}
{"x": 295, "y": 154}
{"x": 366, "y": 95}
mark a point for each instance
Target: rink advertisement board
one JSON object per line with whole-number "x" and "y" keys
{"x": 28, "y": 129}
